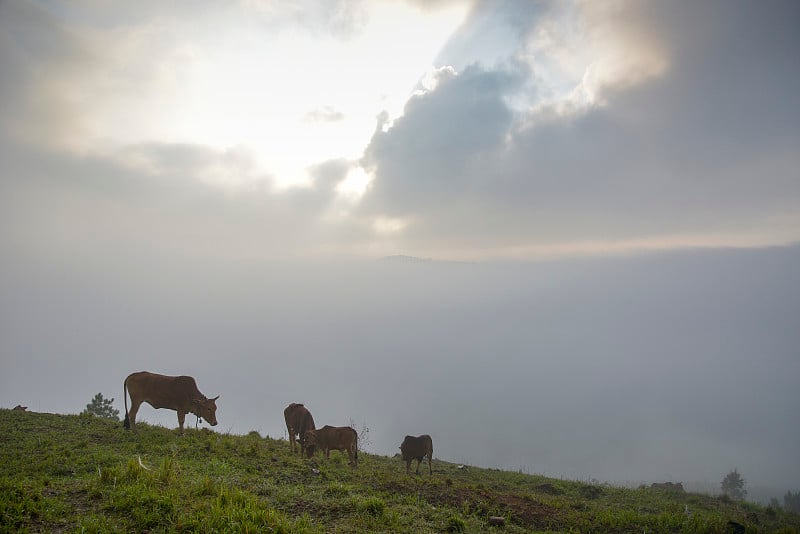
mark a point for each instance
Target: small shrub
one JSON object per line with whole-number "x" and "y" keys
{"x": 590, "y": 492}
{"x": 108, "y": 475}
{"x": 456, "y": 524}
{"x": 337, "y": 489}
{"x": 373, "y": 505}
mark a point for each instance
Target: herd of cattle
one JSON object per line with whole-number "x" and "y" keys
{"x": 180, "y": 393}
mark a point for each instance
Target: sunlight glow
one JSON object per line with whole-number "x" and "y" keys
{"x": 291, "y": 95}
{"x": 388, "y": 226}
{"x": 355, "y": 184}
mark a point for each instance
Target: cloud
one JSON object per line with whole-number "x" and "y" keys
{"x": 693, "y": 134}
{"x": 325, "y": 114}
{"x": 158, "y": 200}
{"x": 426, "y": 156}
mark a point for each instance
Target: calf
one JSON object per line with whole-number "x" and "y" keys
{"x": 417, "y": 448}
{"x": 328, "y": 438}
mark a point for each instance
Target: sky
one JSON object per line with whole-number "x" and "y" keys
{"x": 607, "y": 193}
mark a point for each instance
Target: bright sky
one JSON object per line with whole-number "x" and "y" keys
{"x": 293, "y": 95}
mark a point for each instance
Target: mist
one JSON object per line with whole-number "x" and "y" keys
{"x": 664, "y": 366}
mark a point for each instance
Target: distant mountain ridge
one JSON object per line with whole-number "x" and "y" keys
{"x": 403, "y": 258}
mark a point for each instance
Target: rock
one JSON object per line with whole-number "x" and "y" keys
{"x": 497, "y": 521}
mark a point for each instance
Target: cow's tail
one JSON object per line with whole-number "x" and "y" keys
{"x": 127, "y": 423}
{"x": 355, "y": 452}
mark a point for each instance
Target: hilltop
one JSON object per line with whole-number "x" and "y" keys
{"x": 70, "y": 473}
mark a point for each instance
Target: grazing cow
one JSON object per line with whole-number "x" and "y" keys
{"x": 417, "y": 448}
{"x": 177, "y": 393}
{"x": 20, "y": 408}
{"x": 337, "y": 438}
{"x": 298, "y": 422}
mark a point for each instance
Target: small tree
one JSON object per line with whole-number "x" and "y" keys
{"x": 101, "y": 408}
{"x": 364, "y": 440}
{"x": 733, "y": 486}
{"x": 791, "y": 501}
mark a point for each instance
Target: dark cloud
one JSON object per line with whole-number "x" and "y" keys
{"x": 426, "y": 158}
{"x": 709, "y": 146}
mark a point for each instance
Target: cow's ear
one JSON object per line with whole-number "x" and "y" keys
{"x": 215, "y": 398}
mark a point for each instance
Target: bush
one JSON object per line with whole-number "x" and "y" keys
{"x": 456, "y": 524}
{"x": 373, "y": 505}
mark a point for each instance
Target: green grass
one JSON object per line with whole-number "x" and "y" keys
{"x": 69, "y": 473}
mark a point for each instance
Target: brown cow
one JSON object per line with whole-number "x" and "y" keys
{"x": 337, "y": 438}
{"x": 20, "y": 408}
{"x": 177, "y": 393}
{"x": 298, "y": 422}
{"x": 417, "y": 448}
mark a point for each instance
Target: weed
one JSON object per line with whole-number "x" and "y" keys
{"x": 207, "y": 487}
{"x": 372, "y": 505}
{"x": 167, "y": 472}
{"x": 455, "y": 524}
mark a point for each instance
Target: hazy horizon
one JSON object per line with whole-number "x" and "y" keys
{"x": 647, "y": 367}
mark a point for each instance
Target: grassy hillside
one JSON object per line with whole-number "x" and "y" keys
{"x": 69, "y": 473}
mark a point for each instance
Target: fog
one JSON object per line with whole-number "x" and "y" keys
{"x": 663, "y": 366}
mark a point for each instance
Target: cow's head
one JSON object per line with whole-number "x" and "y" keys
{"x": 309, "y": 443}
{"x": 206, "y": 409}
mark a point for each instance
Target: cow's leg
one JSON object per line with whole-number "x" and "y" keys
{"x": 292, "y": 441}
{"x": 430, "y": 459}
{"x": 419, "y": 461}
{"x": 408, "y": 466}
{"x": 132, "y": 413}
{"x": 181, "y": 419}
{"x": 327, "y": 454}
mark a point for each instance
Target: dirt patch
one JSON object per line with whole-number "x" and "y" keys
{"x": 549, "y": 489}
{"x": 523, "y": 511}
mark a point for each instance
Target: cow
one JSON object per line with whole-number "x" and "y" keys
{"x": 338, "y": 438}
{"x": 417, "y": 448}
{"x": 177, "y": 393}
{"x": 20, "y": 408}
{"x": 298, "y": 422}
